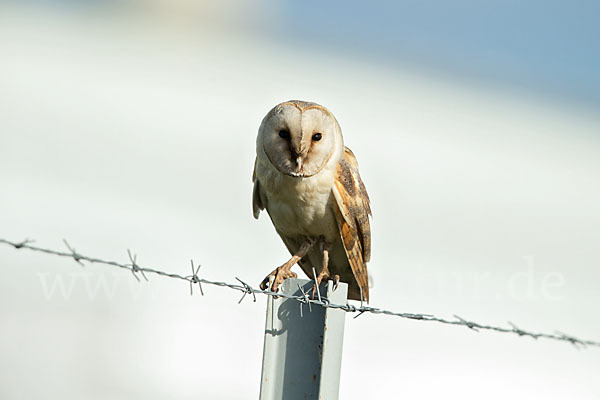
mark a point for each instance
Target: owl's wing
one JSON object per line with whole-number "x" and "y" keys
{"x": 353, "y": 210}
{"x": 257, "y": 204}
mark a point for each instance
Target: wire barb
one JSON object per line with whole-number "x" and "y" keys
{"x": 134, "y": 267}
{"x": 302, "y": 299}
{"x": 76, "y": 257}
{"x": 361, "y": 297}
{"x": 361, "y": 312}
{"x": 247, "y": 289}
{"x": 23, "y": 243}
{"x": 517, "y": 330}
{"x": 470, "y": 325}
{"x": 316, "y": 284}
{"x": 573, "y": 340}
{"x": 305, "y": 298}
{"x": 194, "y": 279}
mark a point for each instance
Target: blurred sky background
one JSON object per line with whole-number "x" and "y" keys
{"x": 132, "y": 124}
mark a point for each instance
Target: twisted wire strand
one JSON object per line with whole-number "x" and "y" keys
{"x": 246, "y": 289}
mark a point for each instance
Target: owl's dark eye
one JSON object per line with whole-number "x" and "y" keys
{"x": 316, "y": 137}
{"x": 284, "y": 134}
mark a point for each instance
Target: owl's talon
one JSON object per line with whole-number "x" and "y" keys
{"x": 323, "y": 276}
{"x": 265, "y": 283}
{"x": 278, "y": 274}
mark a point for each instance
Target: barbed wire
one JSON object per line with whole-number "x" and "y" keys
{"x": 246, "y": 289}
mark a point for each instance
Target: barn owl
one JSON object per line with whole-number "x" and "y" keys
{"x": 309, "y": 184}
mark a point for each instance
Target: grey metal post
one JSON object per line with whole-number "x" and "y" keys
{"x": 302, "y": 354}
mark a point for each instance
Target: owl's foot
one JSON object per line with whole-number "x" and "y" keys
{"x": 325, "y": 277}
{"x": 283, "y": 272}
{"x": 278, "y": 275}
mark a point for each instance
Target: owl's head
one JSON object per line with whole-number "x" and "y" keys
{"x": 300, "y": 138}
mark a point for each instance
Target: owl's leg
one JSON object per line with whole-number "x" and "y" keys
{"x": 324, "y": 274}
{"x": 284, "y": 271}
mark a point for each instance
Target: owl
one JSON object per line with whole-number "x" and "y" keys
{"x": 308, "y": 182}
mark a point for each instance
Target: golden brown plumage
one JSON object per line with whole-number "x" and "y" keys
{"x": 353, "y": 211}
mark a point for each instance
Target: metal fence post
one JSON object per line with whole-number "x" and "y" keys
{"x": 302, "y": 353}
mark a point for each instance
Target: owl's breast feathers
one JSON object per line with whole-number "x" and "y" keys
{"x": 297, "y": 206}
{"x": 333, "y": 204}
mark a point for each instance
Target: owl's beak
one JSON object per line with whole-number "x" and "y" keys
{"x": 297, "y": 157}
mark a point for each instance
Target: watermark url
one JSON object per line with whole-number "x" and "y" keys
{"x": 91, "y": 285}
{"x": 528, "y": 283}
